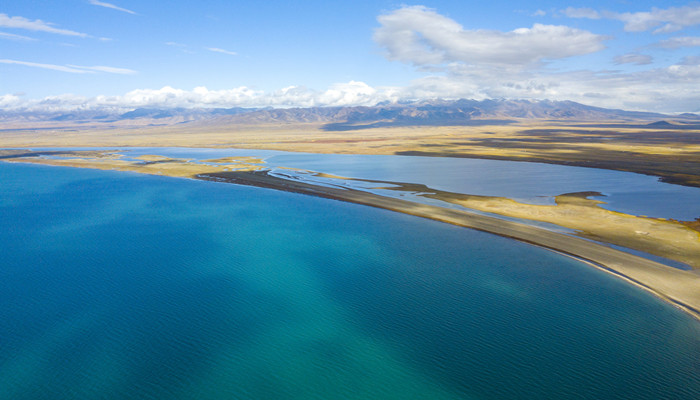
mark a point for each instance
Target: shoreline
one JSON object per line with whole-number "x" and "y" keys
{"x": 654, "y": 150}
{"x": 680, "y": 288}
{"x": 677, "y": 287}
{"x": 675, "y": 178}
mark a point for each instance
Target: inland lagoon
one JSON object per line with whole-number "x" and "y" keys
{"x": 535, "y": 183}
{"x": 120, "y": 285}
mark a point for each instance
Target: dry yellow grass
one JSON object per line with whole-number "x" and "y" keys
{"x": 671, "y": 155}
{"x": 156, "y": 165}
{"x": 669, "y": 239}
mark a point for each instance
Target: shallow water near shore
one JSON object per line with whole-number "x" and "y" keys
{"x": 119, "y": 285}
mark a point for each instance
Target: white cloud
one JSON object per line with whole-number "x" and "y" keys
{"x": 672, "y": 19}
{"x": 351, "y": 93}
{"x": 35, "y": 25}
{"x": 572, "y": 12}
{"x": 678, "y": 42}
{"x": 421, "y": 36}
{"x": 217, "y": 50}
{"x": 342, "y": 94}
{"x": 12, "y": 36}
{"x": 670, "y": 89}
{"x": 74, "y": 69}
{"x": 665, "y": 20}
{"x": 690, "y": 60}
{"x": 61, "y": 68}
{"x": 102, "y": 68}
{"x": 10, "y": 101}
{"x": 483, "y": 64}
{"x": 634, "y": 58}
{"x": 461, "y": 63}
{"x": 109, "y": 5}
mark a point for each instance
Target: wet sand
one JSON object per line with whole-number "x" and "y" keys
{"x": 681, "y": 288}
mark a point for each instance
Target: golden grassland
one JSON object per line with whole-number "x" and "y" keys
{"x": 147, "y": 164}
{"x": 672, "y": 154}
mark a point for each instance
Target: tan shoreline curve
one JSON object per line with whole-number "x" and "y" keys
{"x": 678, "y": 287}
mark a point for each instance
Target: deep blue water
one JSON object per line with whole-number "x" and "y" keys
{"x": 124, "y": 286}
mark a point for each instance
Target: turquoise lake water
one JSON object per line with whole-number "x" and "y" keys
{"x": 123, "y": 286}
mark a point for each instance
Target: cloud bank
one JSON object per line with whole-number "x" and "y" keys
{"x": 482, "y": 64}
{"x": 456, "y": 62}
{"x": 669, "y": 89}
{"x": 420, "y": 36}
{"x": 665, "y": 20}
{"x": 341, "y": 94}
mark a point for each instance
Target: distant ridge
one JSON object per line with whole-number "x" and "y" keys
{"x": 424, "y": 112}
{"x": 191, "y": 113}
{"x": 661, "y": 124}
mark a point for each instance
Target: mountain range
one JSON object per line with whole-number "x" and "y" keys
{"x": 426, "y": 112}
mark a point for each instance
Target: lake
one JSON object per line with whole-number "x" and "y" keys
{"x": 119, "y": 286}
{"x": 534, "y": 183}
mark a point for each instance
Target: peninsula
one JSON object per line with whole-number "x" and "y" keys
{"x": 671, "y": 239}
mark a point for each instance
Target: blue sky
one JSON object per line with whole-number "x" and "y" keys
{"x": 91, "y": 54}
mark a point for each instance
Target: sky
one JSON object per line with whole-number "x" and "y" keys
{"x": 64, "y": 55}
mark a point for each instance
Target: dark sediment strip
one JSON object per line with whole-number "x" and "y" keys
{"x": 681, "y": 288}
